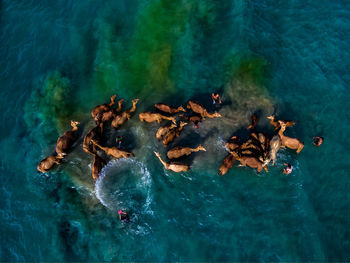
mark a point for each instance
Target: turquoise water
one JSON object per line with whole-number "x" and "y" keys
{"x": 59, "y": 60}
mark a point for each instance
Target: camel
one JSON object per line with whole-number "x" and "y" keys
{"x": 196, "y": 107}
{"x": 94, "y": 134}
{"x": 47, "y": 163}
{"x": 175, "y": 167}
{"x": 254, "y": 122}
{"x": 114, "y": 151}
{"x": 292, "y": 143}
{"x": 126, "y": 115}
{"x": 97, "y": 166}
{"x": 108, "y": 115}
{"x": 103, "y": 108}
{"x": 226, "y": 164}
{"x": 252, "y": 162}
{"x": 66, "y": 141}
{"x": 173, "y": 133}
{"x": 275, "y": 145}
{"x": 277, "y": 123}
{"x": 177, "y": 152}
{"x": 168, "y": 109}
{"x": 152, "y": 117}
{"x": 195, "y": 119}
{"x": 163, "y": 130}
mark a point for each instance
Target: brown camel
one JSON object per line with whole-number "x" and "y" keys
{"x": 292, "y": 143}
{"x": 163, "y": 130}
{"x": 195, "y": 119}
{"x": 277, "y": 123}
{"x": 47, "y": 163}
{"x": 102, "y": 108}
{"x": 196, "y": 107}
{"x": 275, "y": 145}
{"x": 108, "y": 115}
{"x": 254, "y": 122}
{"x": 114, "y": 151}
{"x": 173, "y": 133}
{"x": 66, "y": 141}
{"x": 97, "y": 166}
{"x": 152, "y": 117}
{"x": 126, "y": 115}
{"x": 94, "y": 134}
{"x": 177, "y": 152}
{"x": 175, "y": 167}
{"x": 226, "y": 164}
{"x": 252, "y": 162}
{"x": 168, "y": 109}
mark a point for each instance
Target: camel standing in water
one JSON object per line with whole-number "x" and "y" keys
{"x": 94, "y": 134}
{"x": 226, "y": 164}
{"x": 126, "y": 115}
{"x": 177, "y": 152}
{"x": 114, "y": 151}
{"x": 97, "y": 166}
{"x": 292, "y": 143}
{"x": 175, "y": 167}
{"x": 173, "y": 133}
{"x": 66, "y": 141}
{"x": 47, "y": 163}
{"x": 196, "y": 107}
{"x": 103, "y": 108}
{"x": 163, "y": 130}
{"x": 277, "y": 123}
{"x": 195, "y": 119}
{"x": 168, "y": 109}
{"x": 252, "y": 162}
{"x": 108, "y": 115}
{"x": 275, "y": 145}
{"x": 152, "y": 117}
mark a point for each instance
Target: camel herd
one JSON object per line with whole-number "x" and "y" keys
{"x": 256, "y": 152}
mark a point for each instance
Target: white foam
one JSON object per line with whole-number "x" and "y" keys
{"x": 143, "y": 183}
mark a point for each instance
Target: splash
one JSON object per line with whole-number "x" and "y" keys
{"x": 124, "y": 184}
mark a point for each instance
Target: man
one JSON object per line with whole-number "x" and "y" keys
{"x": 118, "y": 140}
{"x": 123, "y": 216}
{"x": 288, "y": 169}
{"x": 215, "y": 97}
{"x": 317, "y": 141}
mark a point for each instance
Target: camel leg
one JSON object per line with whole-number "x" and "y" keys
{"x": 300, "y": 148}
{"x": 265, "y": 167}
{"x": 259, "y": 168}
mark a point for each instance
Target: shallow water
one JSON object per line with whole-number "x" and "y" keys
{"x": 59, "y": 60}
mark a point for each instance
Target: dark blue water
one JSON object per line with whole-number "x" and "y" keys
{"x": 59, "y": 59}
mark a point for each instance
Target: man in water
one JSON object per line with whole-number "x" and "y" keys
{"x": 118, "y": 140}
{"x": 123, "y": 216}
{"x": 288, "y": 169}
{"x": 215, "y": 97}
{"x": 317, "y": 141}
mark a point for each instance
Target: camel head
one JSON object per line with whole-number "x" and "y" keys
{"x": 172, "y": 126}
{"x": 182, "y": 123}
{"x": 188, "y": 105}
{"x": 74, "y": 124}
{"x": 135, "y": 101}
{"x": 180, "y": 108}
{"x": 113, "y": 97}
{"x": 201, "y": 148}
{"x": 121, "y": 101}
{"x": 271, "y": 117}
{"x": 217, "y": 115}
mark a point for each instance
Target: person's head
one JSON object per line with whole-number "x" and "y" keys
{"x": 120, "y": 212}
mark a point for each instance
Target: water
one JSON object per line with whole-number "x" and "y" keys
{"x": 58, "y": 60}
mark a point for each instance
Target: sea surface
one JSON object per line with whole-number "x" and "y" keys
{"x": 59, "y": 59}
